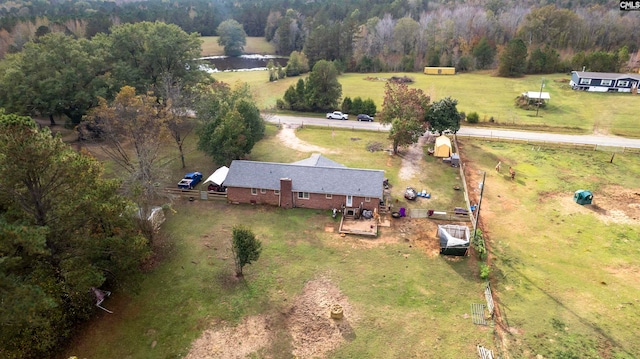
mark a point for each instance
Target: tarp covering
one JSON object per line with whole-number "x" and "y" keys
{"x": 453, "y": 236}
{"x": 218, "y": 176}
{"x": 442, "y": 147}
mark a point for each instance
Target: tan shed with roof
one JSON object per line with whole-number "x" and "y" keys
{"x": 442, "y": 147}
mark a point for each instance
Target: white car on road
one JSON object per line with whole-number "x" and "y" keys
{"x": 337, "y": 115}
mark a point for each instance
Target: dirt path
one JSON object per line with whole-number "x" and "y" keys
{"x": 412, "y": 159}
{"x": 287, "y": 135}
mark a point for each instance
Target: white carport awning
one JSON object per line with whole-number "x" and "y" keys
{"x": 537, "y": 95}
{"x": 218, "y": 176}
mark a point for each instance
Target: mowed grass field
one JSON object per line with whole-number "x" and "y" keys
{"x": 491, "y": 97}
{"x": 255, "y": 45}
{"x": 567, "y": 275}
{"x": 406, "y": 301}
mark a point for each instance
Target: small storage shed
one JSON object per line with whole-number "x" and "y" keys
{"x": 442, "y": 147}
{"x": 440, "y": 70}
{"x": 582, "y": 197}
{"x": 454, "y": 239}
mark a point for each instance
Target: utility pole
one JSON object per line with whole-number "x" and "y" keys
{"x": 540, "y": 97}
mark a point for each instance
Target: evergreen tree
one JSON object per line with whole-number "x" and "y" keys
{"x": 513, "y": 60}
{"x": 246, "y": 248}
{"x": 484, "y": 54}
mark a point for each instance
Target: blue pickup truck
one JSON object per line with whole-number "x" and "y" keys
{"x": 190, "y": 180}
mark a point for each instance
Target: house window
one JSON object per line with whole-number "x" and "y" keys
{"x": 606, "y": 82}
{"x": 367, "y": 199}
{"x": 263, "y": 191}
{"x": 623, "y": 83}
{"x": 585, "y": 81}
{"x": 303, "y": 195}
{"x": 276, "y": 192}
{"x": 254, "y": 191}
{"x": 328, "y": 196}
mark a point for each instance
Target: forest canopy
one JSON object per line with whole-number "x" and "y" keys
{"x": 368, "y": 36}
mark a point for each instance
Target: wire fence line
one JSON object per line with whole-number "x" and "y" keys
{"x": 569, "y": 145}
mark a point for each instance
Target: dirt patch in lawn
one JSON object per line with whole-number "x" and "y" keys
{"x": 418, "y": 233}
{"x": 412, "y": 159}
{"x": 612, "y": 204}
{"x": 307, "y": 322}
{"x": 287, "y": 135}
{"x": 251, "y": 335}
{"x": 312, "y": 329}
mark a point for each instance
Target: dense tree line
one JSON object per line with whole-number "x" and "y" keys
{"x": 362, "y": 35}
{"x": 62, "y": 75}
{"x": 57, "y": 241}
{"x": 63, "y": 228}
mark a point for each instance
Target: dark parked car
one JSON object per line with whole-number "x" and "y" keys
{"x": 410, "y": 193}
{"x": 365, "y": 117}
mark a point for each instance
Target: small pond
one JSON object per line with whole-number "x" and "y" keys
{"x": 241, "y": 63}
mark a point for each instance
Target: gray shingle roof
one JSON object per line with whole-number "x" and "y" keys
{"x": 319, "y": 160}
{"x": 606, "y": 75}
{"x": 306, "y": 178}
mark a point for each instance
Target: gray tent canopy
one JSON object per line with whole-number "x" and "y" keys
{"x": 454, "y": 239}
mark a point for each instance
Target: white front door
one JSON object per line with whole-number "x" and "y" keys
{"x": 349, "y": 201}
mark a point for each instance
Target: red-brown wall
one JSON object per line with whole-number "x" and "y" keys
{"x": 286, "y": 193}
{"x": 243, "y": 195}
{"x": 316, "y": 200}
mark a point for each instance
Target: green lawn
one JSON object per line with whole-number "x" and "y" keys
{"x": 407, "y": 300}
{"x": 565, "y": 278}
{"x": 255, "y": 45}
{"x": 567, "y": 275}
{"x": 264, "y": 92}
{"x": 490, "y": 96}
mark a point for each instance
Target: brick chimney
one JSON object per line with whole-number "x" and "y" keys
{"x": 286, "y": 194}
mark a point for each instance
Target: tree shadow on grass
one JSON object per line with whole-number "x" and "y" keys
{"x": 229, "y": 282}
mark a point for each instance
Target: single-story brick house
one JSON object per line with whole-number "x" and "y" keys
{"x": 315, "y": 182}
{"x": 604, "y": 81}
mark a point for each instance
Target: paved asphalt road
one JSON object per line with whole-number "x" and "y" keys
{"x": 468, "y": 131}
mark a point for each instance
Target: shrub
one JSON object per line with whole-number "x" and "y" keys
{"x": 484, "y": 271}
{"x": 473, "y": 117}
{"x": 478, "y": 245}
